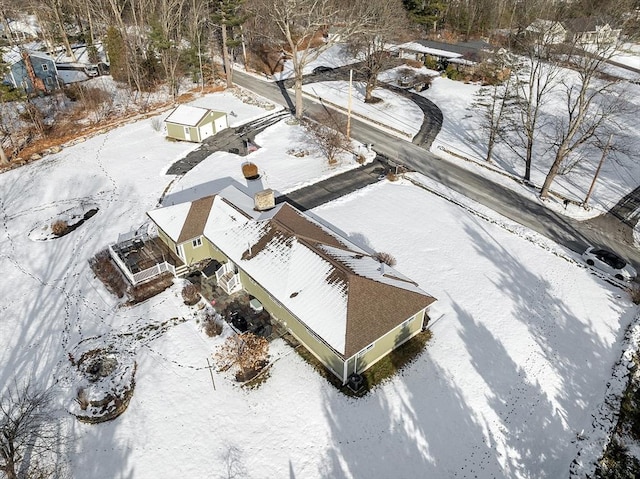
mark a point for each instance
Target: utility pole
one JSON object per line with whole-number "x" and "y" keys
{"x": 595, "y": 176}
{"x": 349, "y": 106}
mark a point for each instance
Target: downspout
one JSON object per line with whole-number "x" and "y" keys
{"x": 344, "y": 372}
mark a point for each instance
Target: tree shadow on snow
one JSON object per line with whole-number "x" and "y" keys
{"x": 545, "y": 394}
{"x": 417, "y": 425}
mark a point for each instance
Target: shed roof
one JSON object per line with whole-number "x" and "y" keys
{"x": 187, "y": 115}
{"x": 338, "y": 290}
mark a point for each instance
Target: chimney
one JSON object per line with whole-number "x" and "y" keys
{"x": 264, "y": 200}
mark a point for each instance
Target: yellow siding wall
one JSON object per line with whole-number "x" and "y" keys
{"x": 388, "y": 342}
{"x": 166, "y": 240}
{"x": 215, "y": 252}
{"x": 194, "y": 254}
{"x": 177, "y": 131}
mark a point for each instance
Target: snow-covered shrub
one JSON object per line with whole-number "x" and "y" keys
{"x": 212, "y": 324}
{"x": 386, "y": 258}
{"x": 59, "y": 227}
{"x": 156, "y": 123}
{"x": 190, "y": 294}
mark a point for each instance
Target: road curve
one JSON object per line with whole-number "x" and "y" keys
{"x": 573, "y": 234}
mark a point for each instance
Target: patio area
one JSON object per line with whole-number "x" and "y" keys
{"x": 240, "y": 310}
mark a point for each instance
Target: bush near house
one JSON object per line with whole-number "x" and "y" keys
{"x": 212, "y": 324}
{"x": 247, "y": 352}
{"x": 107, "y": 272}
{"x": 190, "y": 294}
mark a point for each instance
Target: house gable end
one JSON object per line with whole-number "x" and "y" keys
{"x": 374, "y": 309}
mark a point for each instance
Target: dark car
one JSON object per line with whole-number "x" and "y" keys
{"x": 322, "y": 69}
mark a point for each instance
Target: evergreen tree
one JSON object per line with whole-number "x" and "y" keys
{"x": 228, "y": 14}
{"x": 429, "y": 13}
{"x": 117, "y": 54}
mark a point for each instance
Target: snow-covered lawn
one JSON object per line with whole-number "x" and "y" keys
{"x": 336, "y": 55}
{"x": 278, "y": 165}
{"x": 462, "y": 134}
{"x": 398, "y": 113}
{"x": 518, "y": 361}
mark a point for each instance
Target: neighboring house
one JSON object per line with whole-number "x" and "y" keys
{"x": 546, "y": 32}
{"x": 34, "y": 72}
{"x": 465, "y": 54}
{"x": 20, "y": 29}
{"x": 192, "y": 123}
{"x": 421, "y": 52}
{"x": 347, "y": 308}
{"x": 591, "y": 31}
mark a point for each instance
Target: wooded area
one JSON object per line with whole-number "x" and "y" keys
{"x": 151, "y": 44}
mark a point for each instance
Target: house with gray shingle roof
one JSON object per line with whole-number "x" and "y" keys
{"x": 346, "y": 307}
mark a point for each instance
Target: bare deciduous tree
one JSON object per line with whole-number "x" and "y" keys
{"x": 166, "y": 38}
{"x": 246, "y": 351}
{"x": 534, "y": 78}
{"x": 326, "y": 133}
{"x": 494, "y": 102}
{"x": 591, "y": 105}
{"x": 388, "y": 22}
{"x": 306, "y": 28}
{"x": 29, "y": 438}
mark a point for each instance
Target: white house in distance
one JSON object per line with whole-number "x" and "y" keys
{"x": 192, "y": 123}
{"x": 592, "y": 31}
{"x": 547, "y": 32}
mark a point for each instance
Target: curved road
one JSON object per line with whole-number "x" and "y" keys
{"x": 566, "y": 231}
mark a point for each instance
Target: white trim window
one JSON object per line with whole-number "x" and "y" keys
{"x": 45, "y": 67}
{"x": 187, "y": 131}
{"x": 196, "y": 243}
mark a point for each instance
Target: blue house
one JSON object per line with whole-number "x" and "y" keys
{"x": 33, "y": 67}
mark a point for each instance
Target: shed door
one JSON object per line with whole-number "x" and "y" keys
{"x": 221, "y": 123}
{"x": 187, "y": 133}
{"x": 206, "y": 130}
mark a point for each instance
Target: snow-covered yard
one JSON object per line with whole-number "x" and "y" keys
{"x": 287, "y": 160}
{"x": 518, "y": 361}
{"x": 463, "y": 135}
{"x": 399, "y": 114}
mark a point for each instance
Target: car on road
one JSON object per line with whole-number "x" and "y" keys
{"x": 321, "y": 69}
{"x": 610, "y": 263}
